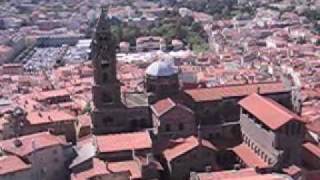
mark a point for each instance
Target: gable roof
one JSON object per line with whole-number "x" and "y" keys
{"x": 314, "y": 126}
{"x": 52, "y": 116}
{"x": 123, "y": 142}
{"x": 132, "y": 166}
{"x": 251, "y": 159}
{"x": 185, "y": 146}
{"x": 217, "y": 93}
{"x": 163, "y": 106}
{"x": 98, "y": 168}
{"x": 269, "y": 112}
{"x": 25, "y": 145}
{"x": 312, "y": 148}
{"x": 52, "y": 93}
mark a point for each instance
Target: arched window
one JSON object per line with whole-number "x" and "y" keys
{"x": 106, "y": 98}
{"x": 105, "y": 77}
{"x": 168, "y": 127}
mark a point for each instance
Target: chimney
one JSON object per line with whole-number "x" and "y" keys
{"x": 199, "y": 134}
{"x": 33, "y": 144}
{"x": 258, "y": 90}
{"x": 17, "y": 143}
{"x": 149, "y": 156}
{"x": 133, "y": 153}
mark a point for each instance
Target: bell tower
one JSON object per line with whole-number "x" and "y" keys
{"x": 106, "y": 90}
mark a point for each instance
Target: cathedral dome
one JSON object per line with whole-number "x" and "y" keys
{"x": 161, "y": 68}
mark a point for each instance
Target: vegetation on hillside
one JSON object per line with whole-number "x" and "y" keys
{"x": 184, "y": 29}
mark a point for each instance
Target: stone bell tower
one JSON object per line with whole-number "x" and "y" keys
{"x": 106, "y": 89}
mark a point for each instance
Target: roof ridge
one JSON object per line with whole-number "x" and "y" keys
{"x": 278, "y": 107}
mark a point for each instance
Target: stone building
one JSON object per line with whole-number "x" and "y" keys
{"x": 57, "y": 122}
{"x": 187, "y": 155}
{"x": 217, "y": 109}
{"x": 172, "y": 120}
{"x": 113, "y": 112}
{"x": 271, "y": 132}
{"x": 150, "y": 43}
{"x": 47, "y": 154}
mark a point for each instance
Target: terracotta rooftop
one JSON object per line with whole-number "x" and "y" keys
{"x": 52, "y": 116}
{"x": 243, "y": 174}
{"x": 124, "y": 142}
{"x": 217, "y": 93}
{"x": 12, "y": 164}
{"x": 269, "y": 112}
{"x": 131, "y": 166}
{"x": 312, "y": 148}
{"x": 25, "y": 145}
{"x": 314, "y": 126}
{"x": 249, "y": 157}
{"x": 292, "y": 170}
{"x": 52, "y": 93}
{"x": 162, "y": 106}
{"x": 185, "y": 146}
{"x": 99, "y": 168}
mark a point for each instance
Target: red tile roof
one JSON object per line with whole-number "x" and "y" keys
{"x": 43, "y": 117}
{"x": 12, "y": 164}
{"x": 131, "y": 166}
{"x": 124, "y": 142}
{"x": 217, "y": 93}
{"x": 269, "y": 112}
{"x": 53, "y": 93}
{"x": 249, "y": 157}
{"x": 314, "y": 126}
{"x": 99, "y": 168}
{"x": 243, "y": 174}
{"x": 292, "y": 170}
{"x": 162, "y": 106}
{"x": 85, "y": 120}
{"x": 314, "y": 149}
{"x": 185, "y": 146}
{"x": 31, "y": 143}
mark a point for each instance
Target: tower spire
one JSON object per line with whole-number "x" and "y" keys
{"x": 103, "y": 25}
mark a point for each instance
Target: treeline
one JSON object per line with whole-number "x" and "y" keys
{"x": 185, "y": 29}
{"x": 314, "y": 16}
